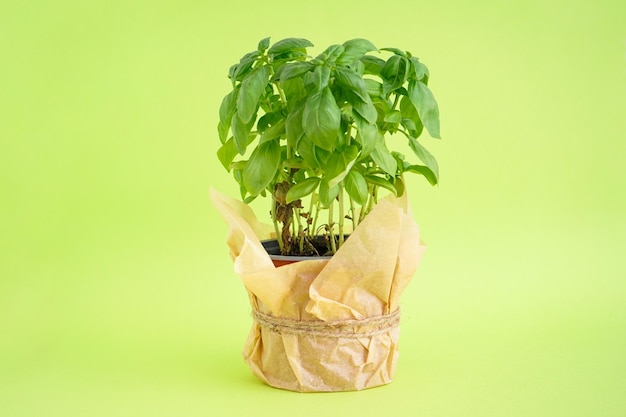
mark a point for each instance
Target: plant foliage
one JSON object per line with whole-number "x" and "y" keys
{"x": 311, "y": 132}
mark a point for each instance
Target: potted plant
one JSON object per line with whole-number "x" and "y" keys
{"x": 319, "y": 137}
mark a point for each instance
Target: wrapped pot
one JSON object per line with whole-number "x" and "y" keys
{"x": 326, "y": 324}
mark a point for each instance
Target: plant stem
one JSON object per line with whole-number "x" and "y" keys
{"x": 395, "y": 102}
{"x": 283, "y": 99}
{"x": 310, "y": 225}
{"x": 281, "y": 93}
{"x": 294, "y": 225}
{"x": 372, "y": 199}
{"x": 331, "y": 227}
{"x": 300, "y": 234}
{"x": 367, "y": 207}
{"x": 353, "y": 214}
{"x": 279, "y": 237}
{"x": 364, "y": 206}
{"x": 317, "y": 213}
{"x": 405, "y": 133}
{"x": 341, "y": 215}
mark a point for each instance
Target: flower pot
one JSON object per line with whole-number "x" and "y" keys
{"x": 325, "y": 324}
{"x": 273, "y": 250}
{"x": 309, "y": 355}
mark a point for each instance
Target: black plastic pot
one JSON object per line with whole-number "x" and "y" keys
{"x": 273, "y": 250}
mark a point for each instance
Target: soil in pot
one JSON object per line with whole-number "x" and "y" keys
{"x": 318, "y": 248}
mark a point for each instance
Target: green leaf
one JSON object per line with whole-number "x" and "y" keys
{"x": 331, "y": 53}
{"x": 238, "y": 175}
{"x": 241, "y": 70}
{"x": 410, "y": 118}
{"x": 373, "y": 64}
{"x": 353, "y": 82}
{"x": 263, "y": 44}
{"x": 340, "y": 163}
{"x": 401, "y": 91}
{"x": 384, "y": 159}
{"x": 362, "y": 109}
{"x": 374, "y": 88}
{"x": 354, "y": 49}
{"x": 420, "y": 70}
{"x": 222, "y": 131}
{"x": 295, "y": 55}
{"x": 399, "y": 157}
{"x": 291, "y": 70}
{"x": 306, "y": 149}
{"x": 380, "y": 182}
{"x": 425, "y": 156}
{"x": 365, "y": 109}
{"x": 268, "y": 120}
{"x": 273, "y": 132}
{"x": 425, "y": 171}
{"x": 241, "y": 131}
{"x": 287, "y": 45}
{"x": 231, "y": 72}
{"x": 321, "y": 155}
{"x": 427, "y": 108}
{"x": 327, "y": 194}
{"x": 383, "y": 106}
{"x": 321, "y": 119}
{"x": 356, "y": 186}
{"x": 251, "y": 89}
{"x": 356, "y": 92}
{"x": 321, "y": 76}
{"x": 299, "y": 175}
{"x": 293, "y": 126}
{"x": 302, "y": 189}
{"x": 398, "y": 183}
{"x": 294, "y": 91}
{"x": 261, "y": 167}
{"x": 396, "y": 51}
{"x": 357, "y": 66}
{"x": 226, "y": 153}
{"x": 249, "y": 199}
{"x": 296, "y": 163}
{"x": 368, "y": 135}
{"x": 269, "y": 101}
{"x": 238, "y": 168}
{"x": 394, "y": 117}
{"x": 227, "y": 109}
{"x": 394, "y": 73}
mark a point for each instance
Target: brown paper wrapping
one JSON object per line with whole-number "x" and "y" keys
{"x": 319, "y": 324}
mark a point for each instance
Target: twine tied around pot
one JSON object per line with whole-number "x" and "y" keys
{"x": 351, "y": 329}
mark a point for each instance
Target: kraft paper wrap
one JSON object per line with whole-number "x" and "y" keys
{"x": 325, "y": 324}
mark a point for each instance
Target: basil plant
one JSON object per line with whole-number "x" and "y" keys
{"x": 312, "y": 133}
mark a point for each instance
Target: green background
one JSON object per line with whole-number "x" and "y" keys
{"x": 117, "y": 296}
